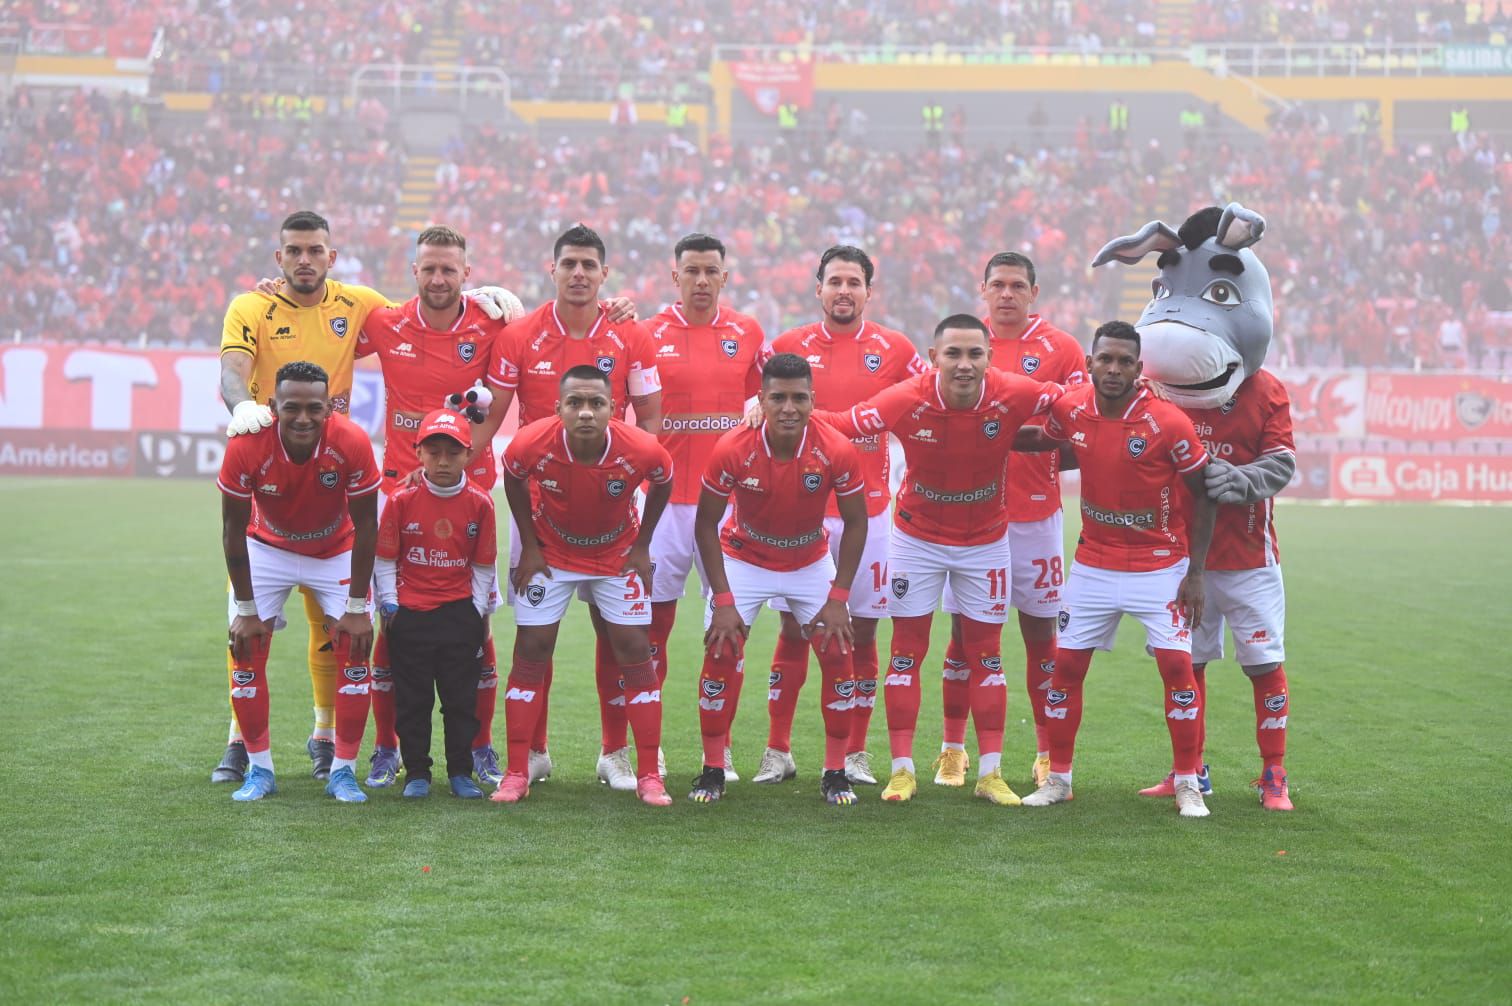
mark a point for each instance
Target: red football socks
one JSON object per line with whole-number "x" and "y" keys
{"x": 643, "y": 708}
{"x": 988, "y": 689}
{"x": 837, "y": 702}
{"x": 488, "y": 693}
{"x": 864, "y": 660}
{"x": 1039, "y": 664}
{"x": 524, "y": 704}
{"x": 383, "y": 696}
{"x": 1063, "y": 705}
{"x": 1272, "y": 706}
{"x": 1183, "y": 707}
{"x": 955, "y": 691}
{"x": 789, "y": 672}
{"x": 249, "y": 697}
{"x": 901, "y": 692}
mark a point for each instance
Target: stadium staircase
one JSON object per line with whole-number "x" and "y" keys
{"x": 1134, "y": 286}
{"x": 1173, "y": 23}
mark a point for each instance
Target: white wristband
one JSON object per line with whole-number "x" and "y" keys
{"x": 356, "y": 606}
{"x": 247, "y": 608}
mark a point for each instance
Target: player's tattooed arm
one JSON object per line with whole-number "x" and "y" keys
{"x": 648, "y": 415}
{"x": 247, "y": 632}
{"x": 532, "y": 561}
{"x": 1190, "y": 594}
{"x": 1261, "y": 479}
{"x": 235, "y": 377}
{"x": 725, "y": 626}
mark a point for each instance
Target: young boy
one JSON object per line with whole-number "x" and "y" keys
{"x": 436, "y": 585}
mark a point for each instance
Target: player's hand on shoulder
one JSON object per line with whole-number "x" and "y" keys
{"x": 754, "y": 416}
{"x": 1158, "y": 390}
{"x": 497, "y": 302}
{"x": 248, "y": 417}
{"x": 270, "y": 286}
{"x": 1224, "y": 482}
{"x": 620, "y": 308}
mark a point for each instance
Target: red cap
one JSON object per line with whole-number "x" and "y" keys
{"x": 445, "y": 423}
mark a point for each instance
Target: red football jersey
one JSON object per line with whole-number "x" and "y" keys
{"x": 1043, "y": 353}
{"x": 1255, "y": 422}
{"x": 1134, "y": 499}
{"x": 707, "y": 373}
{"x": 301, "y": 507}
{"x": 535, "y": 351}
{"x": 584, "y": 513}
{"x": 850, "y": 369}
{"x": 421, "y": 367}
{"x": 435, "y": 541}
{"x": 952, "y": 491}
{"x": 777, "y": 521}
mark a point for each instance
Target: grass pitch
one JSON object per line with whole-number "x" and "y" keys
{"x": 128, "y": 877}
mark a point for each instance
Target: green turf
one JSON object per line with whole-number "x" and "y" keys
{"x": 128, "y": 877}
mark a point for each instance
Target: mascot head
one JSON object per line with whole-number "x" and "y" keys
{"x": 1208, "y": 326}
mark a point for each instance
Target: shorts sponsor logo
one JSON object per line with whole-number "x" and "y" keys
{"x": 902, "y": 663}
{"x": 873, "y": 362}
{"x": 1137, "y": 446}
{"x": 991, "y": 428}
{"x": 1063, "y": 619}
{"x": 730, "y": 347}
{"x": 1184, "y": 697}
{"x": 355, "y": 673}
{"x": 1055, "y": 697}
{"x": 1275, "y": 703}
{"x": 243, "y": 677}
{"x": 466, "y": 351}
{"x": 605, "y": 364}
{"x": 712, "y": 688}
{"x": 330, "y": 479}
{"x": 615, "y": 487}
{"x": 535, "y": 594}
{"x": 900, "y": 587}
{"x": 1031, "y": 364}
{"x": 1260, "y": 636}
{"x": 339, "y": 326}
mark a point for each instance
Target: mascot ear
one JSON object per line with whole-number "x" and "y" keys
{"x": 1152, "y": 237}
{"x": 1239, "y": 228}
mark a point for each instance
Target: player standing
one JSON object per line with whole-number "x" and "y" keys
{"x": 1250, "y": 441}
{"x": 533, "y": 355}
{"x": 1022, "y": 343}
{"x": 570, "y": 481}
{"x": 709, "y": 360}
{"x": 1135, "y": 556}
{"x": 436, "y": 344}
{"x": 852, "y": 360}
{"x": 299, "y": 509}
{"x": 779, "y": 478}
{"x": 950, "y": 525}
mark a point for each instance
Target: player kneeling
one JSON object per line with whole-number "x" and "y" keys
{"x": 436, "y": 586}
{"x": 299, "y": 509}
{"x": 570, "y": 480}
{"x": 779, "y": 477}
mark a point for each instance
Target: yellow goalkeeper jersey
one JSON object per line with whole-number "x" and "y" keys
{"x": 274, "y": 331}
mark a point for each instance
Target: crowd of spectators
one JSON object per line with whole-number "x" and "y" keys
{"x": 1376, "y": 22}
{"x": 116, "y": 226}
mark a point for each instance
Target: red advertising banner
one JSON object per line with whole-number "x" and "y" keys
{"x": 64, "y": 452}
{"x": 1422, "y": 477}
{"x": 769, "y": 85}
{"x": 1438, "y": 407}
{"x": 1326, "y": 402}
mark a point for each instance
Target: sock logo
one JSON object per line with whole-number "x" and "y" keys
{"x": 243, "y": 677}
{"x": 902, "y": 663}
{"x": 520, "y": 695}
{"x": 712, "y": 705}
{"x": 1184, "y": 698}
{"x": 1273, "y": 723}
{"x": 352, "y": 690}
{"x": 900, "y": 587}
{"x": 901, "y": 680}
{"x": 774, "y": 678}
{"x": 244, "y": 693}
{"x": 994, "y": 681}
{"x": 956, "y": 673}
{"x": 1275, "y": 703}
{"x": 646, "y": 698}
{"x": 1048, "y": 666}
{"x": 1055, "y": 697}
{"x": 867, "y": 686}
{"x": 381, "y": 673}
{"x": 845, "y": 689}
{"x": 355, "y": 673}
{"x": 1183, "y": 714}
{"x": 712, "y": 688}
{"x": 992, "y": 663}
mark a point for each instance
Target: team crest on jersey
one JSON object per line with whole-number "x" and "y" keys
{"x": 1185, "y": 697}
{"x": 1063, "y": 619}
{"x": 243, "y": 677}
{"x": 812, "y": 481}
{"x": 472, "y": 529}
{"x": 1228, "y": 406}
{"x": 605, "y": 363}
{"x": 535, "y": 594}
{"x": 712, "y": 688}
{"x": 1275, "y": 703}
{"x": 730, "y": 347}
{"x": 339, "y": 326}
{"x": 1031, "y": 364}
{"x": 615, "y": 487}
{"x": 901, "y": 664}
{"x": 1055, "y": 697}
{"x": 873, "y": 361}
{"x": 1137, "y": 446}
{"x": 845, "y": 689}
{"x": 900, "y": 587}
{"x": 991, "y": 428}
{"x": 329, "y": 479}
{"x": 356, "y": 673}
{"x": 467, "y": 350}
